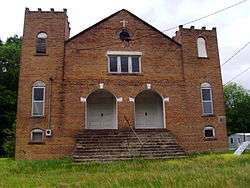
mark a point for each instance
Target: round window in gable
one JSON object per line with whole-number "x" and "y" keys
{"x": 124, "y": 35}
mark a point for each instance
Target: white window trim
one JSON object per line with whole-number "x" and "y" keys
{"x": 129, "y": 64}
{"x": 211, "y": 100}
{"x": 202, "y": 47}
{"x": 209, "y": 128}
{"x": 128, "y": 53}
{"x": 42, "y": 101}
{"x": 36, "y": 130}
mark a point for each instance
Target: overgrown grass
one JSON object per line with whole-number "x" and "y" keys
{"x": 204, "y": 170}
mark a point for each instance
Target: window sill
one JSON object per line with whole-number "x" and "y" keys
{"x": 37, "y": 117}
{"x": 202, "y": 57}
{"x": 36, "y": 143}
{"x": 209, "y": 139}
{"x": 41, "y": 54}
{"x": 125, "y": 74}
{"x": 208, "y": 115}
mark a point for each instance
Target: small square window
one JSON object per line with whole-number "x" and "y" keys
{"x": 209, "y": 132}
{"x": 37, "y": 135}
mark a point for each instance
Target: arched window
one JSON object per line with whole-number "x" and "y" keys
{"x": 38, "y": 98}
{"x": 209, "y": 132}
{"x": 207, "y": 100}
{"x": 36, "y": 135}
{"x": 41, "y": 43}
{"x": 201, "y": 47}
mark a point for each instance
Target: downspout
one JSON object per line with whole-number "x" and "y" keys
{"x": 50, "y": 98}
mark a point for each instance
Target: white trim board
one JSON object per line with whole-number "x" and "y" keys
{"x": 124, "y": 53}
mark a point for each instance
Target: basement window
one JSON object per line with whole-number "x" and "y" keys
{"x": 37, "y": 135}
{"x": 124, "y": 62}
{"x": 209, "y": 132}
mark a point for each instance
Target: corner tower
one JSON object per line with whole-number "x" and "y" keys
{"x": 204, "y": 90}
{"x": 40, "y": 82}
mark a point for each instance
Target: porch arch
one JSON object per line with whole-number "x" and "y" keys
{"x": 101, "y": 110}
{"x": 149, "y": 110}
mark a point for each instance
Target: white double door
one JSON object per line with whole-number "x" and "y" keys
{"x": 101, "y": 112}
{"x": 149, "y": 112}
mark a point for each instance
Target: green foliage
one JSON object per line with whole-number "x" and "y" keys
{"x": 9, "y": 70}
{"x": 237, "y": 103}
{"x": 206, "y": 170}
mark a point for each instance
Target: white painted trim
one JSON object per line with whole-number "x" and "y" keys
{"x": 83, "y": 99}
{"x": 43, "y": 101}
{"x": 131, "y": 99}
{"x": 124, "y": 53}
{"x": 101, "y": 85}
{"x": 202, "y": 101}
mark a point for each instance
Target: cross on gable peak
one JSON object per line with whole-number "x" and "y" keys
{"x": 123, "y": 23}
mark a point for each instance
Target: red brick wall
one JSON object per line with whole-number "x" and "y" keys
{"x": 80, "y": 65}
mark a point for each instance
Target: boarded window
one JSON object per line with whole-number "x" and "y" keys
{"x": 41, "y": 43}
{"x": 201, "y": 47}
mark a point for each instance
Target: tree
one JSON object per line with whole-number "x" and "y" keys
{"x": 237, "y": 103}
{"x": 9, "y": 70}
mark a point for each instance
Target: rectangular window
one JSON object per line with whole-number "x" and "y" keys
{"x": 38, "y": 101}
{"x": 135, "y": 64}
{"x": 207, "y": 102}
{"x": 113, "y": 67}
{"x": 37, "y": 136}
{"x": 124, "y": 64}
{"x": 41, "y": 46}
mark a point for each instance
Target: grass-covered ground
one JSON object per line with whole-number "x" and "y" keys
{"x": 206, "y": 170}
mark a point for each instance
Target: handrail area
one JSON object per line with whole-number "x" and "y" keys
{"x": 131, "y": 127}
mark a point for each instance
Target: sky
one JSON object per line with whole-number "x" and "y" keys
{"x": 233, "y": 25}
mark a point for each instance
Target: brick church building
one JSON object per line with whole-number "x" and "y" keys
{"x": 119, "y": 82}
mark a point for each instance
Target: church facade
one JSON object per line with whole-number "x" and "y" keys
{"x": 118, "y": 73}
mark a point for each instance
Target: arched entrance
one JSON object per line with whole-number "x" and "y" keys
{"x": 149, "y": 110}
{"x": 101, "y": 110}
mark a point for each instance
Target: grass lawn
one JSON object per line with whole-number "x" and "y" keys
{"x": 205, "y": 170}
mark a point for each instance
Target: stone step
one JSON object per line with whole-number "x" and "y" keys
{"x": 127, "y": 150}
{"x": 126, "y": 155}
{"x": 106, "y": 145}
{"x": 135, "y": 145}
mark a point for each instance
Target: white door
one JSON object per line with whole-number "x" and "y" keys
{"x": 148, "y": 111}
{"x": 101, "y": 111}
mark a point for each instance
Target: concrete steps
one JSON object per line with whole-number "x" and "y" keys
{"x": 109, "y": 145}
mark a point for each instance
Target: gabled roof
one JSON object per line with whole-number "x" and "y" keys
{"x": 112, "y": 15}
